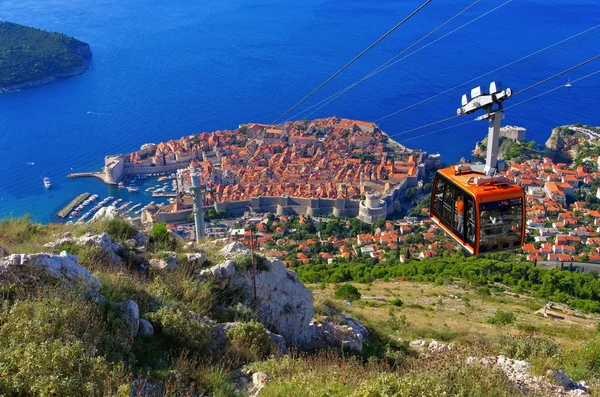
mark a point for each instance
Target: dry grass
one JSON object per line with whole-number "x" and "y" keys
{"x": 459, "y": 310}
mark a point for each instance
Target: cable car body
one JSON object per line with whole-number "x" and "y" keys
{"x": 480, "y": 210}
{"x": 493, "y": 213}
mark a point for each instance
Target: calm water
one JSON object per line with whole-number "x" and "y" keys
{"x": 163, "y": 69}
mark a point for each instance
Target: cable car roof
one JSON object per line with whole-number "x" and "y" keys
{"x": 484, "y": 193}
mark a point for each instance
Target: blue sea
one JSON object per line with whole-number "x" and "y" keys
{"x": 164, "y": 69}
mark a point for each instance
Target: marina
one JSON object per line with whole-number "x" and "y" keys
{"x": 74, "y": 203}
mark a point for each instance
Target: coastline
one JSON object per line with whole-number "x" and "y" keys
{"x": 47, "y": 80}
{"x": 84, "y": 52}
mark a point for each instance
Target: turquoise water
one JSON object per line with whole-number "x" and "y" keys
{"x": 162, "y": 69}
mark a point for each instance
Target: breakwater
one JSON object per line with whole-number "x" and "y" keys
{"x": 74, "y": 203}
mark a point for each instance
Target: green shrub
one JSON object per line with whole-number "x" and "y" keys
{"x": 244, "y": 262}
{"x": 118, "y": 229}
{"x": 347, "y": 292}
{"x": 501, "y": 318}
{"x": 182, "y": 329}
{"x": 526, "y": 347}
{"x": 397, "y": 302}
{"x": 484, "y": 291}
{"x": 249, "y": 342}
{"x": 54, "y": 347}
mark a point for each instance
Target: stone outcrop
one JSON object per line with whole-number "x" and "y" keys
{"x": 101, "y": 241}
{"x": 131, "y": 314}
{"x": 563, "y": 139}
{"x": 29, "y": 268}
{"x": 348, "y": 332}
{"x": 285, "y": 304}
{"x": 221, "y": 271}
{"x": 169, "y": 262}
{"x": 234, "y": 249}
{"x": 196, "y": 259}
{"x": 431, "y": 347}
{"x": 518, "y": 372}
{"x": 145, "y": 328}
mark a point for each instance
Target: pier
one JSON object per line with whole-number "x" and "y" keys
{"x": 100, "y": 175}
{"x": 161, "y": 194}
{"x": 74, "y": 203}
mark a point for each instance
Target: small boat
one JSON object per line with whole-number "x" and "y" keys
{"x": 47, "y": 183}
{"x": 121, "y": 185}
{"x": 131, "y": 189}
{"x": 568, "y": 83}
{"x": 30, "y": 163}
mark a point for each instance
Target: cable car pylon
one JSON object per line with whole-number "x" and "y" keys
{"x": 480, "y": 210}
{"x": 491, "y": 103}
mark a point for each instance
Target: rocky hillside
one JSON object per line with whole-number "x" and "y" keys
{"x": 106, "y": 309}
{"x": 566, "y": 140}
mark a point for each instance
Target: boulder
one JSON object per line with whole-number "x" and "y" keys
{"x": 145, "y": 328}
{"x": 285, "y": 304}
{"x": 106, "y": 213}
{"x": 234, "y": 249}
{"x": 169, "y": 261}
{"x": 131, "y": 314}
{"x": 197, "y": 259}
{"x": 3, "y": 252}
{"x": 259, "y": 381}
{"x": 348, "y": 333}
{"x": 518, "y": 373}
{"x": 101, "y": 241}
{"x": 142, "y": 239}
{"x": 221, "y": 271}
{"x": 131, "y": 242}
{"x": 27, "y": 268}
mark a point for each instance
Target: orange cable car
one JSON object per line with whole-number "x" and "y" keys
{"x": 483, "y": 219}
{"x": 483, "y": 212}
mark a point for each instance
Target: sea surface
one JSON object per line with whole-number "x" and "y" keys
{"x": 164, "y": 69}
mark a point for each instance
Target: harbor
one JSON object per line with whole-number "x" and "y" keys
{"x": 130, "y": 197}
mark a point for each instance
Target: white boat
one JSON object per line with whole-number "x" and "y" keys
{"x": 132, "y": 189}
{"x": 47, "y": 183}
{"x": 568, "y": 83}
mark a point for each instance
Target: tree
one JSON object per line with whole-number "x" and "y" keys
{"x": 347, "y": 292}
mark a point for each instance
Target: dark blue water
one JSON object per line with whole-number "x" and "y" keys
{"x": 163, "y": 69}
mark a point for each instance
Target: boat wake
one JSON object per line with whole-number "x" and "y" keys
{"x": 30, "y": 163}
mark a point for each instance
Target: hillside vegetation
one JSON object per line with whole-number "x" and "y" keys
{"x": 30, "y": 55}
{"x": 431, "y": 325}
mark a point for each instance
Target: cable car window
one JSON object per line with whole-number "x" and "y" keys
{"x": 439, "y": 196}
{"x": 448, "y": 204}
{"x": 470, "y": 220}
{"x": 458, "y": 220}
{"x": 500, "y": 226}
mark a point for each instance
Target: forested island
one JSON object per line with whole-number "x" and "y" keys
{"x": 31, "y": 57}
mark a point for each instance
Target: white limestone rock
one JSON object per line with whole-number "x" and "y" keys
{"x": 26, "y": 268}
{"x": 518, "y": 372}
{"x": 169, "y": 262}
{"x": 101, "y": 241}
{"x": 348, "y": 332}
{"x": 221, "y": 271}
{"x": 259, "y": 381}
{"x": 106, "y": 213}
{"x": 281, "y": 299}
{"x": 145, "y": 328}
{"x": 131, "y": 314}
{"x": 197, "y": 259}
{"x": 234, "y": 249}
